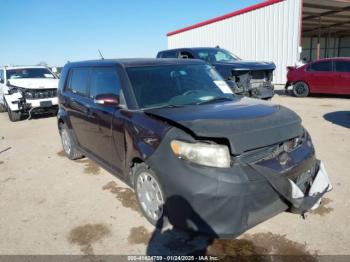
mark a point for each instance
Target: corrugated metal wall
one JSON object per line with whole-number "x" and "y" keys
{"x": 270, "y": 33}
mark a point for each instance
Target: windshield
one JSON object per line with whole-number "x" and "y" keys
{"x": 176, "y": 85}
{"x": 216, "y": 55}
{"x": 29, "y": 73}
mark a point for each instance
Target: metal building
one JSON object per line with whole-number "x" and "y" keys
{"x": 282, "y": 31}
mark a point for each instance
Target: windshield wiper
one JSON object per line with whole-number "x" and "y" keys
{"x": 164, "y": 106}
{"x": 215, "y": 99}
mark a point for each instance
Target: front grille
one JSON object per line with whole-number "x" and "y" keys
{"x": 272, "y": 151}
{"x": 41, "y": 93}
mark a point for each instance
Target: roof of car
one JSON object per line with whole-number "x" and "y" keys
{"x": 135, "y": 62}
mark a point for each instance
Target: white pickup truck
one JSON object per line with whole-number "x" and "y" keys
{"x": 27, "y": 89}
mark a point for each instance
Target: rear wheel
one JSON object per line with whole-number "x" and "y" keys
{"x": 149, "y": 194}
{"x": 301, "y": 89}
{"x": 69, "y": 147}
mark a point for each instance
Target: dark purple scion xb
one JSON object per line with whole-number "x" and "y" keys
{"x": 195, "y": 154}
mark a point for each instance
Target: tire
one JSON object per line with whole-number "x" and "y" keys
{"x": 149, "y": 195}
{"x": 69, "y": 147}
{"x": 301, "y": 89}
{"x": 14, "y": 116}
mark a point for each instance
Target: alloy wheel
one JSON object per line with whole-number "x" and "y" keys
{"x": 301, "y": 89}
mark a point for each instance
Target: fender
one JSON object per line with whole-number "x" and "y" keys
{"x": 12, "y": 100}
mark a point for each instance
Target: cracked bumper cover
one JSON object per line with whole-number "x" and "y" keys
{"x": 16, "y": 102}
{"x": 229, "y": 201}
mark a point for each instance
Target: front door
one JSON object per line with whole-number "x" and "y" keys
{"x": 109, "y": 140}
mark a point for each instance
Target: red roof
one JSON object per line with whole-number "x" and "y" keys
{"x": 223, "y": 17}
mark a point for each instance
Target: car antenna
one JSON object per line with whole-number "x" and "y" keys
{"x": 102, "y": 58}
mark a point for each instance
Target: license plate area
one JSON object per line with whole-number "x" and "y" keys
{"x": 304, "y": 180}
{"x": 46, "y": 103}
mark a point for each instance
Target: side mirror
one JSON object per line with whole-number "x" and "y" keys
{"x": 2, "y": 81}
{"x": 107, "y": 100}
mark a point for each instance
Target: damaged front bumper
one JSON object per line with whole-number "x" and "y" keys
{"x": 17, "y": 102}
{"x": 225, "y": 202}
{"x": 311, "y": 199}
{"x": 262, "y": 91}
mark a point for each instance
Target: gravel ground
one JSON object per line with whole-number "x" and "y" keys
{"x": 51, "y": 205}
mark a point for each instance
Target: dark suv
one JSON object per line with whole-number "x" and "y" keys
{"x": 194, "y": 153}
{"x": 249, "y": 78}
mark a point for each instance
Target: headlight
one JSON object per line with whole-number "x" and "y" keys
{"x": 201, "y": 153}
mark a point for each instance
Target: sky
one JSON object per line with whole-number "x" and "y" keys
{"x": 34, "y": 31}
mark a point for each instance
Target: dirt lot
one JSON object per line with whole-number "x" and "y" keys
{"x": 51, "y": 205}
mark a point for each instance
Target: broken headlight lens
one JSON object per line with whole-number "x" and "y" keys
{"x": 212, "y": 155}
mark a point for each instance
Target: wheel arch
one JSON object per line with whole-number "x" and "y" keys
{"x": 62, "y": 118}
{"x": 133, "y": 163}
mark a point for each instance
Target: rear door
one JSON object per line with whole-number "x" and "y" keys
{"x": 109, "y": 139}
{"x": 342, "y": 82}
{"x": 77, "y": 104}
{"x": 321, "y": 77}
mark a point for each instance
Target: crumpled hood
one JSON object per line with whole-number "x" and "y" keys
{"x": 247, "y": 123}
{"x": 248, "y": 65}
{"x": 35, "y": 83}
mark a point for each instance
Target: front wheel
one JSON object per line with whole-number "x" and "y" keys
{"x": 301, "y": 89}
{"x": 149, "y": 194}
{"x": 14, "y": 116}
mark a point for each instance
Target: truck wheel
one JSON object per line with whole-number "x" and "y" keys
{"x": 2, "y": 108}
{"x": 149, "y": 194}
{"x": 301, "y": 89}
{"x": 14, "y": 115}
{"x": 69, "y": 147}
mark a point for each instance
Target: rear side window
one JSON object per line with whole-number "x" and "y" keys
{"x": 324, "y": 66}
{"x": 104, "y": 81}
{"x": 342, "y": 66}
{"x": 78, "y": 83}
{"x": 169, "y": 54}
{"x": 2, "y": 74}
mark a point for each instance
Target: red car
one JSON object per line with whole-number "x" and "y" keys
{"x": 327, "y": 76}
